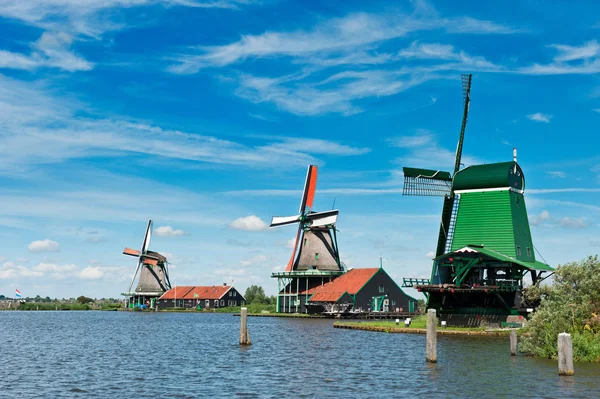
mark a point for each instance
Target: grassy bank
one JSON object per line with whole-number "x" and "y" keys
{"x": 417, "y": 326}
{"x": 252, "y": 308}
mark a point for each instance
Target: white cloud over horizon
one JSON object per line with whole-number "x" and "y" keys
{"x": 249, "y": 223}
{"x": 45, "y": 245}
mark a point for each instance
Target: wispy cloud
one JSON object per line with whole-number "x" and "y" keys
{"x": 249, "y": 223}
{"x": 52, "y": 50}
{"x": 543, "y": 217}
{"x": 168, "y": 231}
{"x": 583, "y": 59}
{"x": 45, "y": 245}
{"x": 573, "y": 223}
{"x": 350, "y": 44}
{"x": 338, "y": 37}
{"x": 540, "y": 117}
{"x": 40, "y": 128}
{"x": 424, "y": 151}
{"x": 558, "y": 174}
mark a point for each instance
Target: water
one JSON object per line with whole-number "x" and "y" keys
{"x": 191, "y": 355}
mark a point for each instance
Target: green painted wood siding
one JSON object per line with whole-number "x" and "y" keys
{"x": 485, "y": 218}
{"x": 496, "y": 219}
{"x": 521, "y": 227}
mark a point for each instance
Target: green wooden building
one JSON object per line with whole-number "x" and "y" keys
{"x": 484, "y": 249}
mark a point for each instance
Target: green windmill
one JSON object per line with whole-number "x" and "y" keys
{"x": 484, "y": 248}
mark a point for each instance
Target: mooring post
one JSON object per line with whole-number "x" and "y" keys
{"x": 244, "y": 334}
{"x": 431, "y": 346}
{"x": 513, "y": 343}
{"x": 565, "y": 354}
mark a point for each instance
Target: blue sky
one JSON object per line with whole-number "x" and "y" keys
{"x": 203, "y": 115}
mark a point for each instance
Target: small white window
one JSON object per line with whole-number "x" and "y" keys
{"x": 381, "y": 289}
{"x": 222, "y": 302}
{"x": 216, "y": 303}
{"x": 518, "y": 250}
{"x": 529, "y": 252}
{"x": 207, "y": 303}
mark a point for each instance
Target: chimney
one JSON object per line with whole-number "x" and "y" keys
{"x": 224, "y": 284}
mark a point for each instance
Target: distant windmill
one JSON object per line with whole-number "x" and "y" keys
{"x": 484, "y": 246}
{"x": 154, "y": 274}
{"x": 315, "y": 258}
{"x": 314, "y": 231}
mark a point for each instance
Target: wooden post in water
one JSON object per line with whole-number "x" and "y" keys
{"x": 513, "y": 343}
{"x": 431, "y": 346}
{"x": 244, "y": 334}
{"x": 565, "y": 354}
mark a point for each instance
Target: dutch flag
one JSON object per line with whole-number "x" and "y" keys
{"x": 18, "y": 293}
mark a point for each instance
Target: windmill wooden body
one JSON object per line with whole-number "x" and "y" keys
{"x": 153, "y": 272}
{"x": 315, "y": 257}
{"x": 484, "y": 248}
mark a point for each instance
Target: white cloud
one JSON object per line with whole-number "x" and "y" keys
{"x": 583, "y": 59}
{"x": 422, "y": 138}
{"x": 12, "y": 270}
{"x": 29, "y": 138}
{"x": 424, "y": 151}
{"x": 540, "y": 117}
{"x": 87, "y": 17}
{"x": 339, "y": 36}
{"x": 54, "y": 268}
{"x": 597, "y": 110}
{"x": 45, "y": 245}
{"x": 588, "y": 50}
{"x": 349, "y": 43}
{"x": 91, "y": 273}
{"x": 257, "y": 259}
{"x": 250, "y": 223}
{"x": 168, "y": 231}
{"x": 537, "y": 220}
{"x": 559, "y": 174}
{"x": 573, "y": 223}
{"x": 430, "y": 255}
{"x": 438, "y": 51}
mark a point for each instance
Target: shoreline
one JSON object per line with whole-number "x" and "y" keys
{"x": 414, "y": 330}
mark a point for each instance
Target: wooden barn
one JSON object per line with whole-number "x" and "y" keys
{"x": 202, "y": 297}
{"x": 361, "y": 290}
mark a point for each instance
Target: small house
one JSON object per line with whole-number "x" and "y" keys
{"x": 361, "y": 290}
{"x": 201, "y": 297}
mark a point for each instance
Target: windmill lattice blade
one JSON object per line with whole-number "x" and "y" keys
{"x": 131, "y": 252}
{"x": 135, "y": 275}
{"x": 308, "y": 194}
{"x": 149, "y": 261}
{"x": 324, "y": 221}
{"x": 425, "y": 182}
{"x": 290, "y": 264}
{"x": 147, "y": 237}
{"x": 283, "y": 220}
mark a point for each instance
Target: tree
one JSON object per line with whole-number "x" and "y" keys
{"x": 84, "y": 299}
{"x": 571, "y": 304}
{"x": 255, "y": 294}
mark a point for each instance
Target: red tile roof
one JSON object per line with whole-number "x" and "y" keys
{"x": 350, "y": 282}
{"x": 201, "y": 292}
{"x": 180, "y": 291}
{"x": 208, "y": 292}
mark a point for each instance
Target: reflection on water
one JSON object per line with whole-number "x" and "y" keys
{"x": 148, "y": 355}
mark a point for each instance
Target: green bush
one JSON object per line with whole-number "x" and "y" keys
{"x": 571, "y": 304}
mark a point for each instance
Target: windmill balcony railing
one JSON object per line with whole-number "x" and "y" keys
{"x": 409, "y": 282}
{"x": 305, "y": 273}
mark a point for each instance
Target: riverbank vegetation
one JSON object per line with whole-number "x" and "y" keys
{"x": 570, "y": 304}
